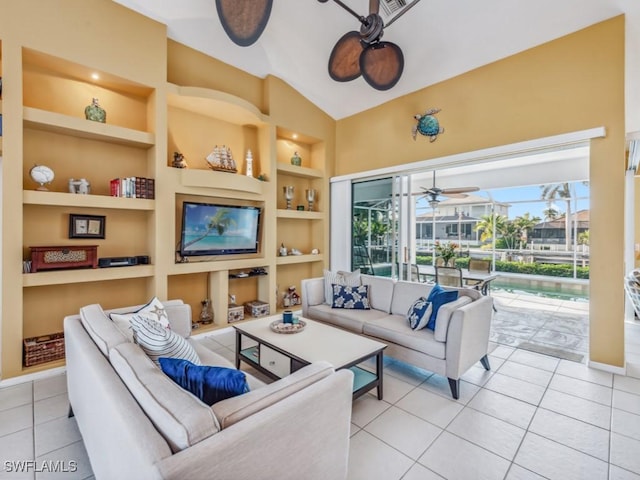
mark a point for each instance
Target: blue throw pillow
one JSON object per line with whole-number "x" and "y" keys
{"x": 209, "y": 384}
{"x": 355, "y": 298}
{"x": 419, "y": 314}
{"x": 438, "y": 297}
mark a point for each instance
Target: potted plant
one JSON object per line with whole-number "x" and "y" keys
{"x": 446, "y": 251}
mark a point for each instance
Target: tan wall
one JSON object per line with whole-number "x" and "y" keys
{"x": 570, "y": 84}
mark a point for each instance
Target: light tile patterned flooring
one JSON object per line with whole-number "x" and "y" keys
{"x": 532, "y": 416}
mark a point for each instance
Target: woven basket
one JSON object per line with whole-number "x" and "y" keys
{"x": 43, "y": 349}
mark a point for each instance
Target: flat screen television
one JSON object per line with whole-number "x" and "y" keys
{"x": 212, "y": 229}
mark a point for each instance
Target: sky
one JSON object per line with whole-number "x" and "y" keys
{"x": 514, "y": 196}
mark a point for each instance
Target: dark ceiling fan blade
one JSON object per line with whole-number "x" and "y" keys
{"x": 344, "y": 63}
{"x": 381, "y": 64}
{"x": 244, "y": 20}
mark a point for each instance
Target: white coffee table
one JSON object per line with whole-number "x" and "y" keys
{"x": 278, "y": 354}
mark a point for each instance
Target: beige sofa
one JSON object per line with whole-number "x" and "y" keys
{"x": 137, "y": 423}
{"x": 460, "y": 338}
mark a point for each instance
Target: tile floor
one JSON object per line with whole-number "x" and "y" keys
{"x": 531, "y": 417}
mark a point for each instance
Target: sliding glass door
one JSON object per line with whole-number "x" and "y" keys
{"x": 382, "y": 231}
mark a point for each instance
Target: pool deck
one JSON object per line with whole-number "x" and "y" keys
{"x": 544, "y": 325}
{"x": 552, "y": 326}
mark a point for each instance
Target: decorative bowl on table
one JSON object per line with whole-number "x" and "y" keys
{"x": 279, "y": 326}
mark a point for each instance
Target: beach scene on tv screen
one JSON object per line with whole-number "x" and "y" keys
{"x": 211, "y": 228}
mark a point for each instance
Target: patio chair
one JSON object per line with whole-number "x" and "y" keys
{"x": 449, "y": 276}
{"x": 480, "y": 266}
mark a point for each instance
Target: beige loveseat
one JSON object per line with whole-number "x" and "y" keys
{"x": 460, "y": 338}
{"x": 137, "y": 423}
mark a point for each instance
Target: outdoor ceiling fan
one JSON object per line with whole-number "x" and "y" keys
{"x": 432, "y": 193}
{"x": 362, "y": 53}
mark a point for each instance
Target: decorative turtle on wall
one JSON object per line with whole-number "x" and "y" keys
{"x": 428, "y": 125}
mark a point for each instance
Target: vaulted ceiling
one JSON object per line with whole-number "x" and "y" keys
{"x": 439, "y": 38}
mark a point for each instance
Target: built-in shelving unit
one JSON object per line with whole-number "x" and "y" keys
{"x": 147, "y": 120}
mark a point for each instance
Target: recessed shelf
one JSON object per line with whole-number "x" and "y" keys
{"x": 35, "y": 197}
{"x": 190, "y": 177}
{"x": 83, "y": 275}
{"x": 81, "y": 128}
{"x": 215, "y": 104}
{"x": 293, "y": 259}
{"x": 304, "y": 172}
{"x": 217, "y": 266}
{"x": 299, "y": 214}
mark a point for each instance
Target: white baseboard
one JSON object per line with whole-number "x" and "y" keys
{"x": 605, "y": 367}
{"x": 30, "y": 377}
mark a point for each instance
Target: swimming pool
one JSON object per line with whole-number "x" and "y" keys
{"x": 540, "y": 291}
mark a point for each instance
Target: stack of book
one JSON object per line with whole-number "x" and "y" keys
{"x": 133, "y": 187}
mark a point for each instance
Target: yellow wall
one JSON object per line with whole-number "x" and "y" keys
{"x": 570, "y": 84}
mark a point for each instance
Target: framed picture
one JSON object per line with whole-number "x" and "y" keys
{"x": 86, "y": 226}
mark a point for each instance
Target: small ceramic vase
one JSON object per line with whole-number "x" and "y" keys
{"x": 296, "y": 160}
{"x": 95, "y": 112}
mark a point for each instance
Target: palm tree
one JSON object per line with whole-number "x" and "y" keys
{"x": 583, "y": 238}
{"x": 524, "y": 224}
{"x": 550, "y": 214}
{"x": 553, "y": 191}
{"x": 486, "y": 226}
{"x": 510, "y": 234}
{"x": 220, "y": 222}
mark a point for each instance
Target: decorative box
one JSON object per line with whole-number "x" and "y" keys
{"x": 49, "y": 258}
{"x": 43, "y": 349}
{"x": 256, "y": 308}
{"x": 236, "y": 313}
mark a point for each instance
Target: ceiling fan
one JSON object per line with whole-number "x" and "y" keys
{"x": 362, "y": 53}
{"x": 434, "y": 192}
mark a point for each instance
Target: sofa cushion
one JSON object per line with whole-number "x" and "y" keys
{"x": 419, "y": 314}
{"x": 101, "y": 330}
{"x": 444, "y": 315}
{"x": 438, "y": 297}
{"x": 154, "y": 310}
{"x": 180, "y": 318}
{"x": 352, "y": 320}
{"x": 181, "y": 418}
{"x": 380, "y": 291}
{"x": 395, "y": 329}
{"x": 351, "y": 279}
{"x": 209, "y": 384}
{"x": 158, "y": 341}
{"x": 350, "y": 298}
{"x": 405, "y": 293}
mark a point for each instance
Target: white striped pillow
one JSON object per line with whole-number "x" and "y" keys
{"x": 157, "y": 341}
{"x": 349, "y": 279}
